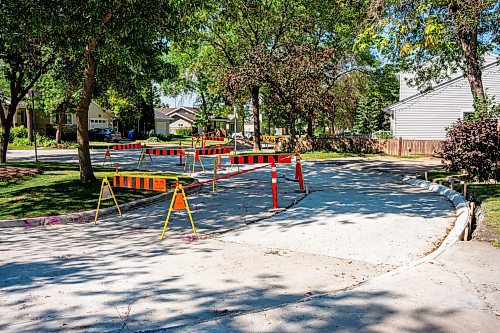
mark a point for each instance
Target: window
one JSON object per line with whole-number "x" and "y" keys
{"x": 69, "y": 119}
{"x": 466, "y": 114}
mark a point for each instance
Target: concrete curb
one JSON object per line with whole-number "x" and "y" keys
{"x": 86, "y": 216}
{"x": 462, "y": 214}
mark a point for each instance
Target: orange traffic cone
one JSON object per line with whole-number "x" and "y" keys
{"x": 179, "y": 202}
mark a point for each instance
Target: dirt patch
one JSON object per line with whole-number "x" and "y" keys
{"x": 8, "y": 173}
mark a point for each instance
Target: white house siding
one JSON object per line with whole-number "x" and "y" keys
{"x": 427, "y": 116}
{"x": 178, "y": 124}
{"x": 162, "y": 127}
{"x": 406, "y": 91}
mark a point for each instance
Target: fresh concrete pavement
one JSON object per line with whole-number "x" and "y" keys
{"x": 325, "y": 264}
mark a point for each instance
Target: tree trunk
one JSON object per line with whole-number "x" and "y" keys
{"x": 29, "y": 124}
{"x": 469, "y": 43}
{"x": 7, "y": 122}
{"x": 291, "y": 125}
{"x": 82, "y": 114}
{"x": 310, "y": 130}
{"x": 256, "y": 120}
{"x": 62, "y": 117}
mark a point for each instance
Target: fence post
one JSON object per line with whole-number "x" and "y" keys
{"x": 400, "y": 146}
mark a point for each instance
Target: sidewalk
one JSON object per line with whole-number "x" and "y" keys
{"x": 457, "y": 292}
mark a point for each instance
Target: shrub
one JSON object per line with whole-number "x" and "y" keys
{"x": 43, "y": 141}
{"x": 184, "y": 131}
{"x": 21, "y": 142}
{"x": 18, "y": 132}
{"x": 164, "y": 137}
{"x": 472, "y": 146}
{"x": 153, "y": 139}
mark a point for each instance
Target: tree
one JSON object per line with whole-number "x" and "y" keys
{"x": 382, "y": 89}
{"x": 236, "y": 27}
{"x": 59, "y": 89}
{"x": 199, "y": 74}
{"x": 111, "y": 41}
{"x": 26, "y": 51}
{"x": 428, "y": 36}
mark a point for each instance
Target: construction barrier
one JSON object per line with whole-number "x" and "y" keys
{"x": 160, "y": 184}
{"x": 259, "y": 159}
{"x": 204, "y": 152}
{"x": 268, "y": 138}
{"x": 214, "y": 138}
{"x": 274, "y": 185}
{"x": 214, "y": 151}
{"x": 107, "y": 154}
{"x": 298, "y": 172}
{"x": 165, "y": 152}
{"x": 128, "y": 146}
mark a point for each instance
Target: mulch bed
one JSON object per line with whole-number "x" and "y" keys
{"x": 8, "y": 173}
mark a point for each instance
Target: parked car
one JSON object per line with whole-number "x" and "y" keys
{"x": 104, "y": 134}
{"x": 237, "y": 136}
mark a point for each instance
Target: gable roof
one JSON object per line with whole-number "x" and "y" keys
{"x": 436, "y": 88}
{"x": 161, "y": 115}
{"x": 186, "y": 113}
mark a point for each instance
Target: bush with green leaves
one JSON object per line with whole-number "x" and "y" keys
{"x": 19, "y": 132}
{"x": 473, "y": 146}
{"x": 164, "y": 137}
{"x": 19, "y": 142}
{"x": 184, "y": 131}
{"x": 153, "y": 139}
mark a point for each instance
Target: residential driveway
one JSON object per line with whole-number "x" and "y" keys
{"x": 118, "y": 275}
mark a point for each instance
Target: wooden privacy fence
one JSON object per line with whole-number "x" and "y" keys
{"x": 402, "y": 147}
{"x": 398, "y": 147}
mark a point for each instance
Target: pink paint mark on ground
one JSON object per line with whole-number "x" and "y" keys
{"x": 191, "y": 238}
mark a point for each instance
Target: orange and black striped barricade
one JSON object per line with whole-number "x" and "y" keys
{"x": 166, "y": 152}
{"x": 156, "y": 183}
{"x": 128, "y": 146}
{"x": 259, "y": 159}
{"x": 215, "y": 138}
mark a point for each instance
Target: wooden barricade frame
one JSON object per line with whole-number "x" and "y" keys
{"x": 108, "y": 155}
{"x": 154, "y": 183}
{"x": 179, "y": 202}
{"x": 106, "y": 193}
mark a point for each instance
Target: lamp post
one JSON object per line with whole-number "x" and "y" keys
{"x": 33, "y": 94}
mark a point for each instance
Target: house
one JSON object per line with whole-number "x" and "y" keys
{"x": 162, "y": 122}
{"x": 185, "y": 117}
{"x": 98, "y": 118}
{"x": 425, "y": 116}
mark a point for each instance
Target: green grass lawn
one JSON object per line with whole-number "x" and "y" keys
{"x": 489, "y": 197}
{"x": 58, "y": 191}
{"x": 319, "y": 155}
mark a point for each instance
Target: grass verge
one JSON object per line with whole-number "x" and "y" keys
{"x": 488, "y": 195}
{"x": 58, "y": 190}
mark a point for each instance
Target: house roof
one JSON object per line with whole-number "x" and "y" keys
{"x": 435, "y": 89}
{"x": 161, "y": 115}
{"x": 184, "y": 112}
